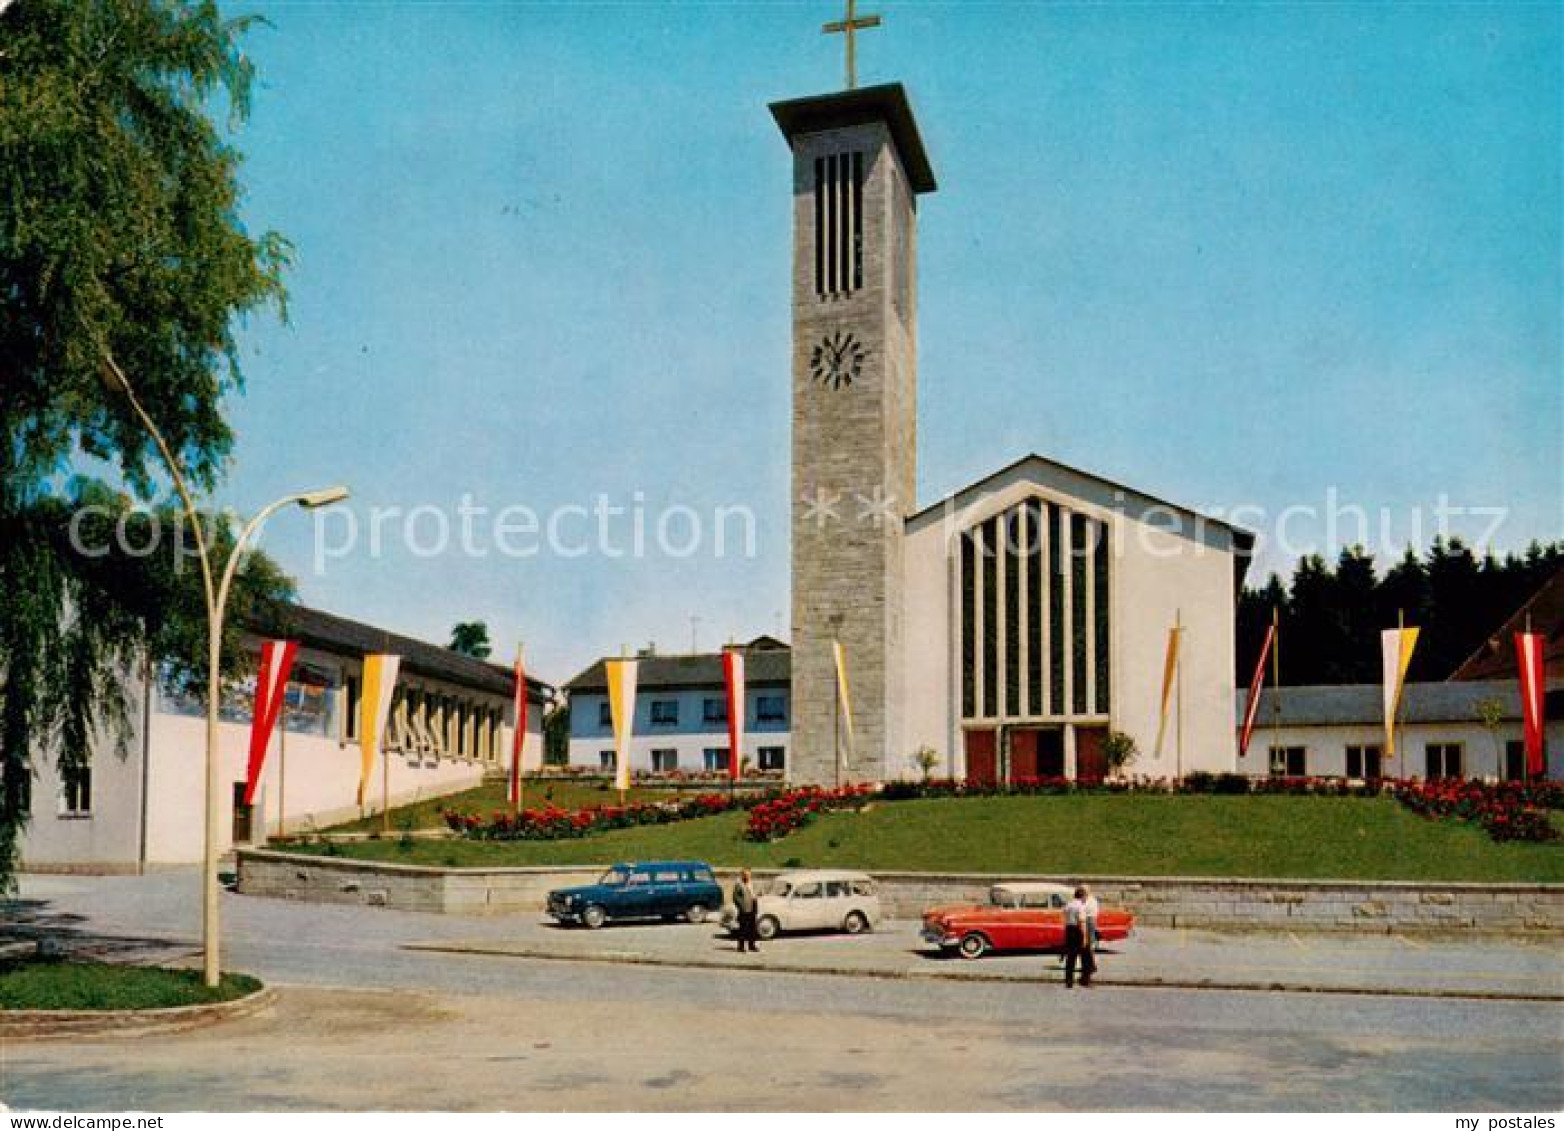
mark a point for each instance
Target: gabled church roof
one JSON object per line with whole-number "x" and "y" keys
{"x": 1086, "y": 486}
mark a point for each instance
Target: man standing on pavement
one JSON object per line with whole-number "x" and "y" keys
{"x": 1090, "y": 908}
{"x": 1075, "y": 947}
{"x": 747, "y": 903}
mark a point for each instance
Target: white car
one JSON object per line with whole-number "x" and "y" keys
{"x": 816, "y": 900}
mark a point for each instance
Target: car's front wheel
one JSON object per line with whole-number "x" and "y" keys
{"x": 767, "y": 927}
{"x": 593, "y": 916}
{"x": 856, "y": 923}
{"x": 973, "y": 946}
{"x": 696, "y": 913}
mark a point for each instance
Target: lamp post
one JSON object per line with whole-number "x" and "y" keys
{"x": 216, "y": 603}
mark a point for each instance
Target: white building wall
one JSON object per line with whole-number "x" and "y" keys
{"x": 586, "y": 752}
{"x": 1325, "y": 747}
{"x": 321, "y": 775}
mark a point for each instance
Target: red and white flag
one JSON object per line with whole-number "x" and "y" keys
{"x": 733, "y": 675}
{"x": 1252, "y": 708}
{"x": 270, "y": 690}
{"x": 519, "y": 737}
{"x": 1528, "y": 651}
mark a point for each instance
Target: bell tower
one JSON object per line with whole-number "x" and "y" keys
{"x": 858, "y": 168}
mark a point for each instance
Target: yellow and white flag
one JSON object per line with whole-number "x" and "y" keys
{"x": 1169, "y": 678}
{"x": 1395, "y": 646}
{"x": 847, "y": 703}
{"x": 621, "y": 710}
{"x": 374, "y": 705}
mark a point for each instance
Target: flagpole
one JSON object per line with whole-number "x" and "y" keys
{"x": 1276, "y": 681}
{"x": 1526, "y": 753}
{"x": 1178, "y": 694}
{"x": 836, "y": 716}
{"x": 1395, "y": 720}
{"x": 518, "y": 746}
{"x": 282, "y": 766}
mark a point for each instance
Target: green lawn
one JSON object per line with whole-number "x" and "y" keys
{"x": 491, "y": 796}
{"x": 1272, "y": 836}
{"x": 95, "y": 985}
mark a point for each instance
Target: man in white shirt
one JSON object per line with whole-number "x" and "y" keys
{"x": 1075, "y": 948}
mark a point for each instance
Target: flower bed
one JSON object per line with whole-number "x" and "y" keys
{"x": 550, "y": 822}
{"x": 773, "y": 819}
{"x": 1506, "y": 811}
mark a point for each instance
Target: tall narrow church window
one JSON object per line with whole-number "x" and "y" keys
{"x": 1080, "y": 551}
{"x": 968, "y": 624}
{"x": 838, "y": 224}
{"x": 1100, "y": 609}
{"x": 1037, "y": 581}
{"x": 990, "y": 565}
{"x": 1056, "y": 625}
{"x": 1012, "y": 534}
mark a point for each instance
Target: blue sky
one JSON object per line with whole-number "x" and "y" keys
{"x": 1235, "y": 255}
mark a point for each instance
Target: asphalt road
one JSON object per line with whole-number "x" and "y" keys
{"x": 365, "y": 1024}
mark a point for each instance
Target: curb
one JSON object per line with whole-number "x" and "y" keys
{"x": 628, "y": 958}
{"x": 50, "y": 1024}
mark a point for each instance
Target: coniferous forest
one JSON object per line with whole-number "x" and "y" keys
{"x": 1332, "y": 614}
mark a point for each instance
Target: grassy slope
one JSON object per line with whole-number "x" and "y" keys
{"x": 93, "y": 985}
{"x": 1333, "y": 838}
{"x": 490, "y": 797}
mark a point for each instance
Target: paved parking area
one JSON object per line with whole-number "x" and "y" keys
{"x": 366, "y": 1021}
{"x": 1507, "y": 967}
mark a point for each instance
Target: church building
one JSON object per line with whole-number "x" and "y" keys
{"x": 1011, "y": 626}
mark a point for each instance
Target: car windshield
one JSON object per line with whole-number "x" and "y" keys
{"x": 614, "y": 877}
{"x": 780, "y": 887}
{"x": 1002, "y": 897}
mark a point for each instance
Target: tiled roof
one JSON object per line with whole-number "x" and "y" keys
{"x": 767, "y": 663}
{"x": 331, "y": 633}
{"x": 1363, "y": 703}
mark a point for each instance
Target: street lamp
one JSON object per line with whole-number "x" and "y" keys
{"x": 216, "y": 603}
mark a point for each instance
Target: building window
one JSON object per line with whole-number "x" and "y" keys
{"x": 663, "y": 760}
{"x": 838, "y": 224}
{"x": 770, "y": 709}
{"x": 350, "y": 688}
{"x": 1442, "y": 760}
{"x": 714, "y": 711}
{"x": 771, "y": 757}
{"x": 76, "y": 792}
{"x": 1363, "y": 762}
{"x": 605, "y": 714}
{"x": 665, "y": 712}
{"x": 1035, "y": 606}
{"x": 1288, "y": 761}
{"x": 1515, "y": 760}
{"x": 605, "y": 759}
{"x": 716, "y": 757}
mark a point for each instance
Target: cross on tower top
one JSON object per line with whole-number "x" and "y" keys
{"x": 848, "y": 28}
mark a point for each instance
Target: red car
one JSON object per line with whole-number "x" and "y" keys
{"x": 1019, "y": 916}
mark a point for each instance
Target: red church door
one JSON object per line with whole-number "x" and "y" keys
{"x": 1023, "y": 754}
{"x": 982, "y": 759}
{"x": 1091, "y": 761}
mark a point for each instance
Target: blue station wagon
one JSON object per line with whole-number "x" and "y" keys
{"x": 659, "y": 890}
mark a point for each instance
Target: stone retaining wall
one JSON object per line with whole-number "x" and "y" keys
{"x": 1293, "y": 905}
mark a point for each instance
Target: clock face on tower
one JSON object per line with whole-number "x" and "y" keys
{"x": 837, "y": 360}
